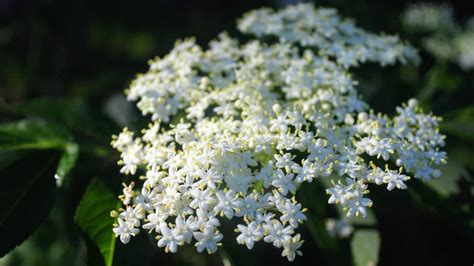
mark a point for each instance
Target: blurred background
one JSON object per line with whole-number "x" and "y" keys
{"x": 74, "y": 56}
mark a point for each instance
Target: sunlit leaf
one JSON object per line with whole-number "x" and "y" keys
{"x": 93, "y": 217}
{"x": 67, "y": 162}
{"x": 31, "y": 134}
{"x": 365, "y": 246}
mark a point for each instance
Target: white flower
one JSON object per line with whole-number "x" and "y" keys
{"x": 247, "y": 206}
{"x": 277, "y": 233}
{"x": 201, "y": 199}
{"x": 249, "y": 234}
{"x": 170, "y": 239}
{"x": 284, "y": 161}
{"x": 395, "y": 179}
{"x": 227, "y": 203}
{"x": 306, "y": 172}
{"x": 442, "y": 36}
{"x": 428, "y": 16}
{"x": 125, "y": 231}
{"x": 208, "y": 240}
{"x": 284, "y": 182}
{"x": 145, "y": 199}
{"x": 128, "y": 193}
{"x": 238, "y": 182}
{"x": 123, "y": 140}
{"x": 377, "y": 175}
{"x": 132, "y": 215}
{"x": 338, "y": 194}
{"x": 154, "y": 222}
{"x": 357, "y": 206}
{"x": 279, "y": 124}
{"x": 375, "y": 147}
{"x": 207, "y": 219}
{"x": 236, "y": 128}
{"x": 292, "y": 213}
{"x": 186, "y": 228}
{"x": 131, "y": 158}
{"x": 308, "y": 26}
{"x": 290, "y": 247}
{"x": 209, "y": 178}
{"x": 265, "y": 175}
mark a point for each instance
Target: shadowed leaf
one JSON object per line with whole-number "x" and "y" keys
{"x": 26, "y": 196}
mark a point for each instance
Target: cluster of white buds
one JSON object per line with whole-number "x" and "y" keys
{"x": 237, "y": 128}
{"x": 332, "y": 35}
{"x": 446, "y": 39}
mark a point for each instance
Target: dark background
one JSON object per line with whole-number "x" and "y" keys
{"x": 93, "y": 49}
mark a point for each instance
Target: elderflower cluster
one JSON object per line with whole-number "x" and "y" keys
{"x": 429, "y": 17}
{"x": 446, "y": 39}
{"x": 324, "y": 29}
{"x": 237, "y": 128}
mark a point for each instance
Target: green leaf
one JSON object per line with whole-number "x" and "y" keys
{"x": 27, "y": 196}
{"x": 93, "y": 217}
{"x": 31, "y": 134}
{"x": 72, "y": 113}
{"x": 67, "y": 162}
{"x": 9, "y": 157}
{"x": 461, "y": 153}
{"x": 442, "y": 78}
{"x": 439, "y": 78}
{"x": 459, "y": 123}
{"x": 448, "y": 183}
{"x": 365, "y": 245}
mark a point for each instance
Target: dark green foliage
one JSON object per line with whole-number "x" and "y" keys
{"x": 27, "y": 195}
{"x": 31, "y": 134}
{"x": 93, "y": 217}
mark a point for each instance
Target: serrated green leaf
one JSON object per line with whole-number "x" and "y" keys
{"x": 27, "y": 195}
{"x": 93, "y": 217}
{"x": 365, "y": 245}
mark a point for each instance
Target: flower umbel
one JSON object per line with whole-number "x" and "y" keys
{"x": 237, "y": 128}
